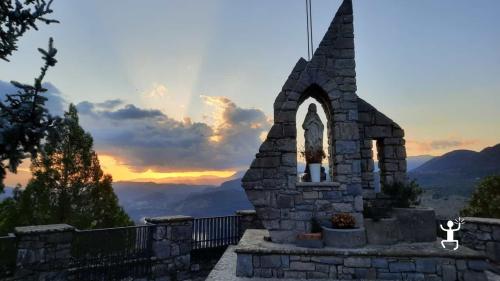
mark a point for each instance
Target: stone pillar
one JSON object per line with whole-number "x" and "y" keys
{"x": 172, "y": 238}
{"x": 248, "y": 220}
{"x": 43, "y": 251}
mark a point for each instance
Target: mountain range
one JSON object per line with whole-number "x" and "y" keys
{"x": 457, "y": 172}
{"x": 450, "y": 176}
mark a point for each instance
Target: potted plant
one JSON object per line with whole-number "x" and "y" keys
{"x": 313, "y": 239}
{"x": 416, "y": 224}
{"x": 314, "y": 159}
{"x": 344, "y": 233}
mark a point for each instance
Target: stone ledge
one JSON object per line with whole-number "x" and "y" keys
{"x": 168, "y": 219}
{"x": 49, "y": 228}
{"x": 225, "y": 270}
{"x": 246, "y": 213}
{"x": 333, "y": 185}
{"x": 253, "y": 243}
{"x": 482, "y": 220}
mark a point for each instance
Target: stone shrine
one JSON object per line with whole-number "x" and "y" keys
{"x": 400, "y": 246}
{"x": 286, "y": 206}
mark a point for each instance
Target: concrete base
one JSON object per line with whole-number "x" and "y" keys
{"x": 382, "y": 232}
{"x": 344, "y": 238}
{"x": 257, "y": 258}
{"x": 416, "y": 224}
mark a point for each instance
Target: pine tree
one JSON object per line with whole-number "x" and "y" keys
{"x": 16, "y": 18}
{"x": 68, "y": 184}
{"x": 24, "y": 118}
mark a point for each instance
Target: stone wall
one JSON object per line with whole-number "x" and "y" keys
{"x": 248, "y": 220}
{"x": 482, "y": 234}
{"x": 172, "y": 240}
{"x": 422, "y": 261}
{"x": 366, "y": 267}
{"x": 43, "y": 252}
{"x": 391, "y": 151}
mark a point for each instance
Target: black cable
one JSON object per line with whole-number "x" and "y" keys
{"x": 311, "y": 27}
{"x": 307, "y": 27}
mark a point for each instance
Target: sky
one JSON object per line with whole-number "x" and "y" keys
{"x": 173, "y": 90}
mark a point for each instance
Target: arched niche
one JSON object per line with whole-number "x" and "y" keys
{"x": 316, "y": 95}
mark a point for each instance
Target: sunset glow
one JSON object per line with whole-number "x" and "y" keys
{"x": 122, "y": 172}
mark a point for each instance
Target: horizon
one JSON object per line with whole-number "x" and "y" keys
{"x": 172, "y": 106}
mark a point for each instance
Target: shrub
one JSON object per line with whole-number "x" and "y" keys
{"x": 343, "y": 220}
{"x": 485, "y": 201}
{"x": 315, "y": 226}
{"x": 403, "y": 195}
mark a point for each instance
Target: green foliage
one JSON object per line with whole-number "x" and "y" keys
{"x": 24, "y": 119}
{"x": 68, "y": 185}
{"x": 485, "y": 200}
{"x": 403, "y": 195}
{"x": 16, "y": 18}
{"x": 315, "y": 226}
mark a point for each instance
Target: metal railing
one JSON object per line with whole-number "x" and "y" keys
{"x": 112, "y": 253}
{"x": 215, "y": 232}
{"x": 8, "y": 253}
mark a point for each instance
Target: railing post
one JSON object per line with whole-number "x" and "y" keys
{"x": 43, "y": 251}
{"x": 247, "y": 220}
{"x": 171, "y": 245}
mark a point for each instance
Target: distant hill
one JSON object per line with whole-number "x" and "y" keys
{"x": 148, "y": 199}
{"x": 221, "y": 201}
{"x": 413, "y": 162}
{"x": 457, "y": 172}
{"x": 143, "y": 199}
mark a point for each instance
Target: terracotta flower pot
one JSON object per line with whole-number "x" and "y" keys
{"x": 310, "y": 240}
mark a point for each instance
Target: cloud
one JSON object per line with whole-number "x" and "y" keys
{"x": 110, "y": 104}
{"x": 55, "y": 103}
{"x": 438, "y": 145}
{"x": 149, "y": 139}
{"x": 130, "y": 111}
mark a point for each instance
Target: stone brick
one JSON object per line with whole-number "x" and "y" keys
{"x": 270, "y": 261}
{"x": 295, "y": 275}
{"x": 389, "y": 276}
{"x": 244, "y": 265}
{"x": 263, "y": 272}
{"x": 302, "y": 266}
{"x": 379, "y": 262}
{"x": 474, "y": 276}
{"x": 357, "y": 262}
{"x": 414, "y": 276}
{"x": 479, "y": 265}
{"x": 449, "y": 273}
{"x": 285, "y": 201}
{"x": 328, "y": 260}
{"x": 316, "y": 275}
{"x": 401, "y": 266}
{"x": 426, "y": 265}
{"x": 322, "y": 268}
